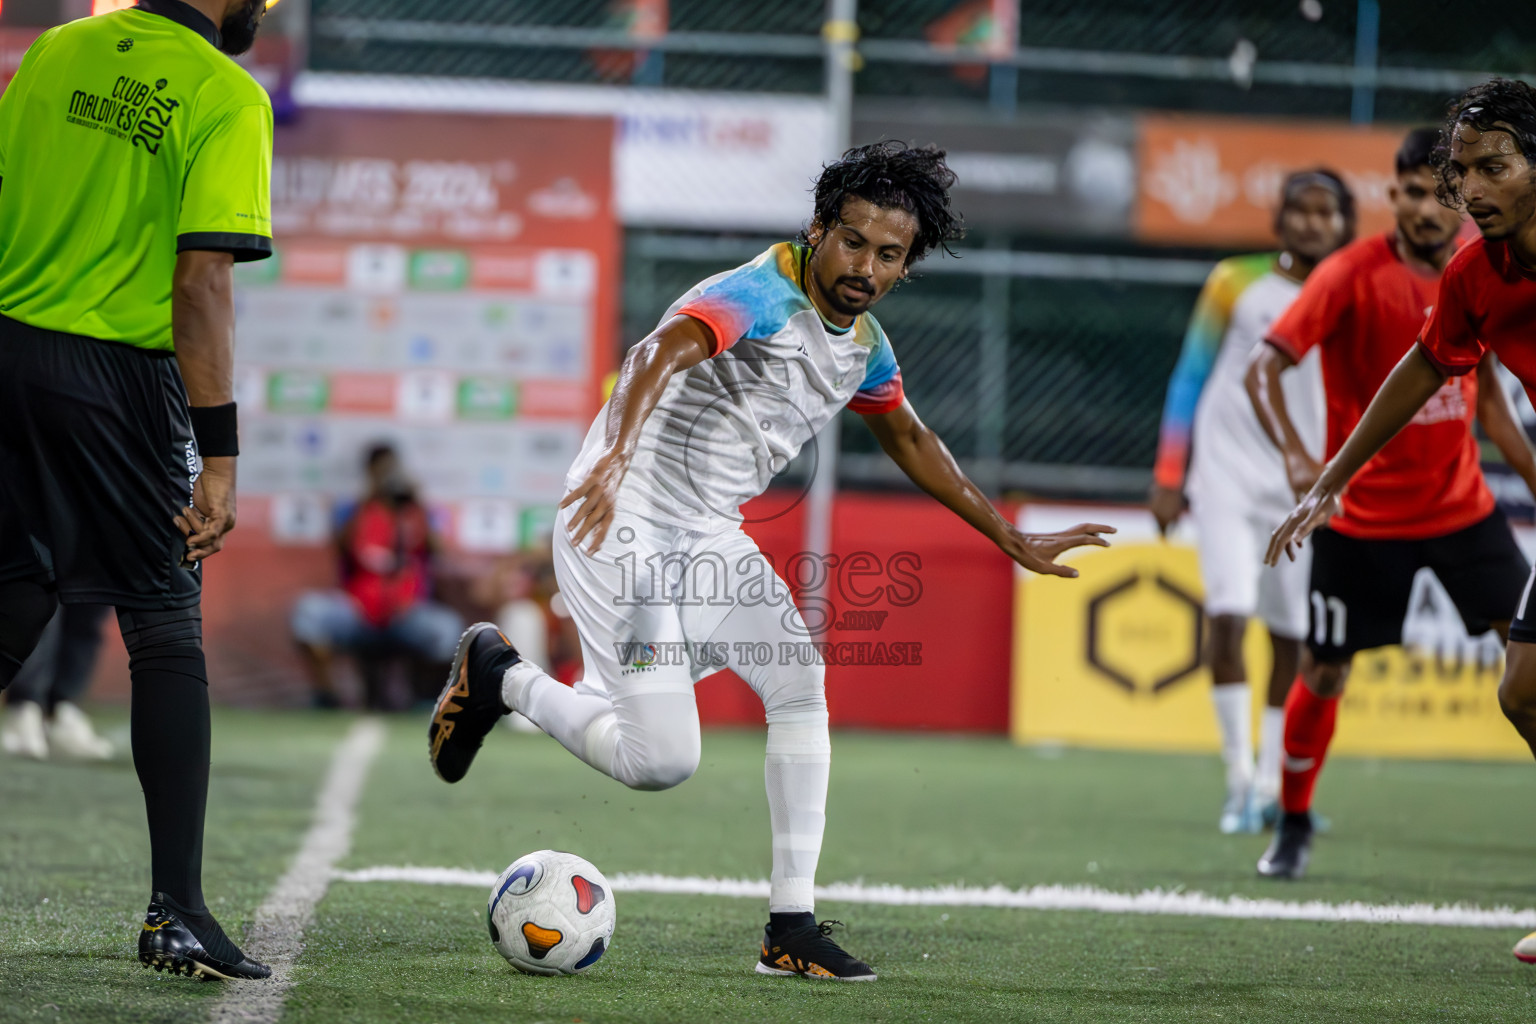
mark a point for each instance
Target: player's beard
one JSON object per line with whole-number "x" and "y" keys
{"x": 836, "y": 301}
{"x": 1428, "y": 242}
{"x": 238, "y": 32}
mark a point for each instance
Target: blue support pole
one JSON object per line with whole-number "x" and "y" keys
{"x": 1362, "y": 107}
{"x": 1003, "y": 89}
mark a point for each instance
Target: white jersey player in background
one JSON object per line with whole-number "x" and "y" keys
{"x": 1238, "y": 482}
{"x": 662, "y": 582}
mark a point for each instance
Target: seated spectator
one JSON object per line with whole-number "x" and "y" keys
{"x": 384, "y": 608}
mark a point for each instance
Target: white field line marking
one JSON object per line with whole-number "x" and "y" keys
{"x": 1037, "y": 897}
{"x": 276, "y": 936}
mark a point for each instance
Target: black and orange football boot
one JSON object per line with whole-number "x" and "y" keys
{"x": 166, "y": 943}
{"x": 809, "y": 952}
{"x": 470, "y": 703}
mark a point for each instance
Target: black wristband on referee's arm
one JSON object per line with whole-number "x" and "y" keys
{"x": 213, "y": 427}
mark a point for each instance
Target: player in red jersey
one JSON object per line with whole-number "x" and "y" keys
{"x": 1486, "y": 301}
{"x": 1421, "y": 502}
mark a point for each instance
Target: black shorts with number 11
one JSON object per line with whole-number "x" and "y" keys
{"x": 1360, "y": 588}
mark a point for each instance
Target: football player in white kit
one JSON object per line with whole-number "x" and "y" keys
{"x": 1237, "y": 480}
{"x": 662, "y": 582}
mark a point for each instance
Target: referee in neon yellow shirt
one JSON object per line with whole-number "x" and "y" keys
{"x": 135, "y": 161}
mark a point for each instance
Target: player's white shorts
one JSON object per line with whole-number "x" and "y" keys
{"x": 1232, "y": 534}
{"x": 652, "y": 608}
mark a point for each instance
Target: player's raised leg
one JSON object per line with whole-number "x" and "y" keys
{"x": 633, "y": 716}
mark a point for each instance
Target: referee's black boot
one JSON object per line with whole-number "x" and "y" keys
{"x": 470, "y": 703}
{"x": 1288, "y": 854}
{"x": 166, "y": 943}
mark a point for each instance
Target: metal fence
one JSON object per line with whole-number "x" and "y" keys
{"x": 1025, "y": 363}
{"x": 1317, "y": 57}
{"x": 1043, "y": 370}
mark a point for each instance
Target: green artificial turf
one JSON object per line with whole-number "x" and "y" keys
{"x": 74, "y": 865}
{"x": 907, "y": 810}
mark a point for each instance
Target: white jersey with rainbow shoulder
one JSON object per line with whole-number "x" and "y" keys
{"x": 778, "y": 373}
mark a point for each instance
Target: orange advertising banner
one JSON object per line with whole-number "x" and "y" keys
{"x": 1216, "y": 181}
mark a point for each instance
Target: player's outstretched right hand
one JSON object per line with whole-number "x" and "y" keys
{"x": 598, "y": 493}
{"x": 1038, "y": 552}
{"x": 1166, "y": 505}
{"x": 211, "y": 515}
{"x": 1320, "y": 505}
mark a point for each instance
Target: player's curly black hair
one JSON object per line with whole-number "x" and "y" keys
{"x": 893, "y": 175}
{"x": 1499, "y": 104}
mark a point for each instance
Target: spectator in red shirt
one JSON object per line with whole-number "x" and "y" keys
{"x": 384, "y": 606}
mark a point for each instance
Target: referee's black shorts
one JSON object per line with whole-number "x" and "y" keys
{"x": 96, "y": 460}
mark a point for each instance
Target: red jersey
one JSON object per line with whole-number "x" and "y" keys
{"x": 1487, "y": 301}
{"x": 1365, "y": 307}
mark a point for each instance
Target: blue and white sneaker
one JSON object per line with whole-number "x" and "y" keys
{"x": 1240, "y": 815}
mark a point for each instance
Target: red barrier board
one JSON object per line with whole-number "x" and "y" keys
{"x": 907, "y": 572}
{"x": 942, "y": 587}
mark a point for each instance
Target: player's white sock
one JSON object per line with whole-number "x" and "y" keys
{"x": 584, "y": 724}
{"x": 1233, "y": 708}
{"x": 1271, "y": 750}
{"x": 646, "y": 741}
{"x": 796, "y": 770}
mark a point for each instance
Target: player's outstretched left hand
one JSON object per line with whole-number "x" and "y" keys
{"x": 1320, "y": 505}
{"x": 1038, "y": 552}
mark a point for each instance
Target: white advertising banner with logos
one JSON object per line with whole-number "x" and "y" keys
{"x": 720, "y": 161}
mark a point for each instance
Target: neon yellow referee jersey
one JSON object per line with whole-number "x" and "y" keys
{"x": 125, "y": 139}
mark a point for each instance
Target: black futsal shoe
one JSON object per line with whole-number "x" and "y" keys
{"x": 810, "y": 953}
{"x": 166, "y": 943}
{"x": 470, "y": 703}
{"x": 1288, "y": 854}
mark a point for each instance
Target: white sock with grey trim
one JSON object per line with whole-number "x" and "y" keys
{"x": 1266, "y": 780}
{"x": 583, "y": 724}
{"x": 1233, "y": 711}
{"x": 796, "y": 771}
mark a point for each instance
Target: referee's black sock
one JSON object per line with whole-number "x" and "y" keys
{"x": 170, "y": 730}
{"x": 205, "y": 928}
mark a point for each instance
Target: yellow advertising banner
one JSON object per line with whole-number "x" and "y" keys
{"x": 1112, "y": 659}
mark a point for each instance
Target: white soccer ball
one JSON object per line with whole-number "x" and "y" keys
{"x": 551, "y": 913}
